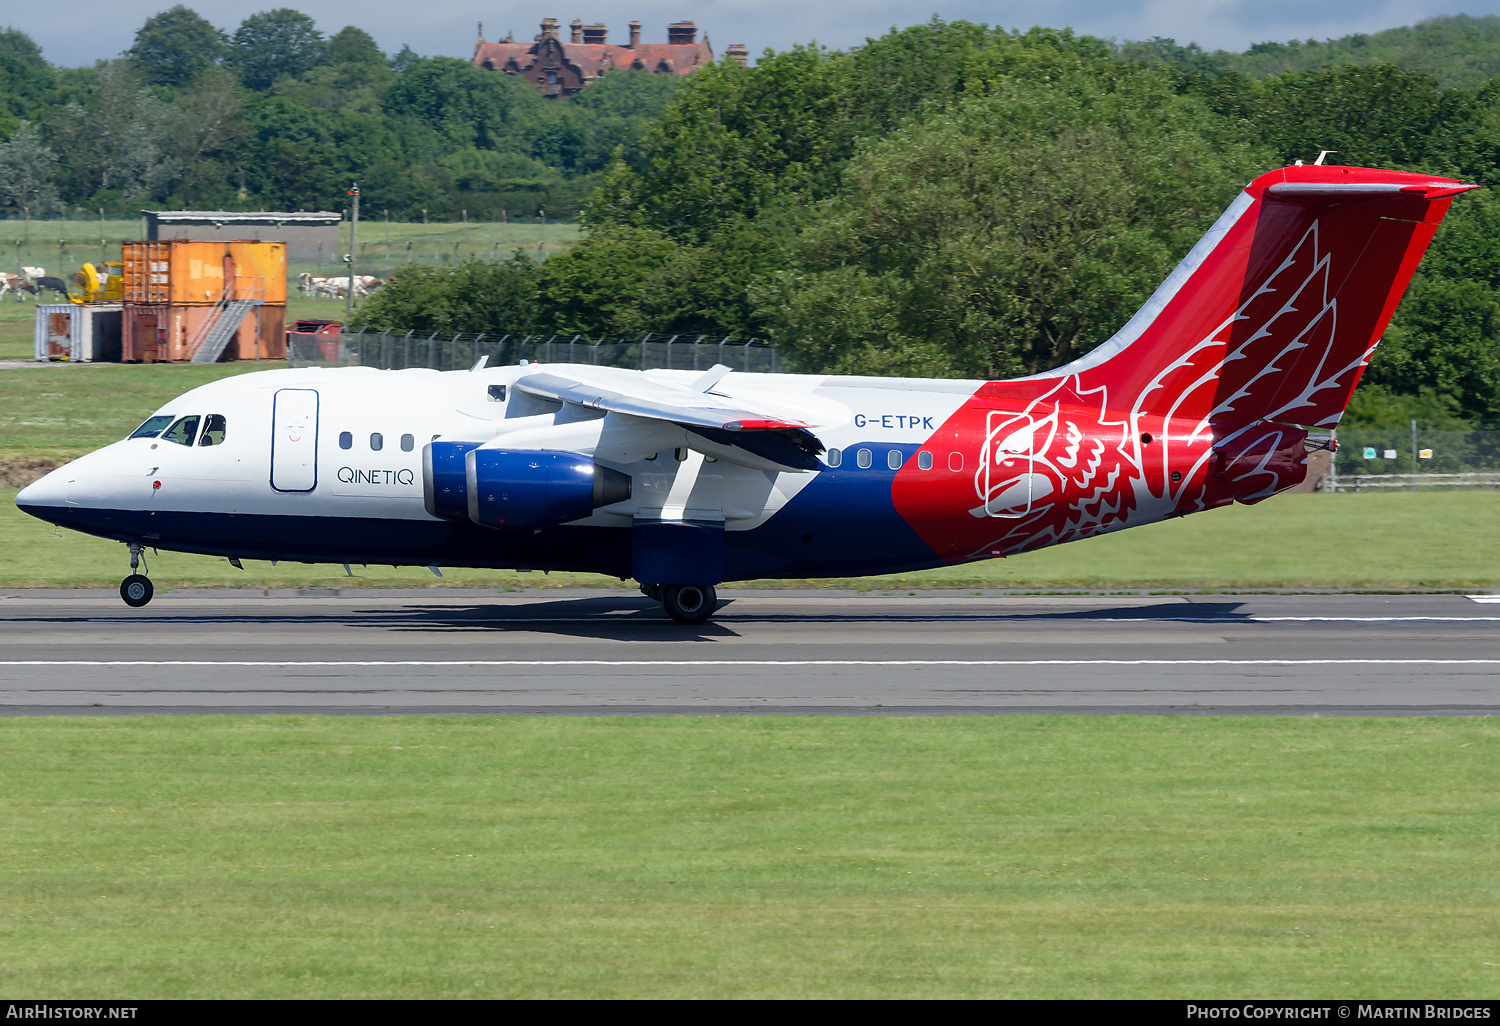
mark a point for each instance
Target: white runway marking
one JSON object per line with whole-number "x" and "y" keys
{"x": 388, "y": 621}
{"x": 749, "y": 662}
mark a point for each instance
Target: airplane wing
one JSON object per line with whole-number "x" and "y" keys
{"x": 722, "y": 420}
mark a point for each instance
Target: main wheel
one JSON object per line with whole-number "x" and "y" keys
{"x": 689, "y": 604}
{"x": 136, "y": 590}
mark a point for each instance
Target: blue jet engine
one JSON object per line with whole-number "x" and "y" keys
{"x": 527, "y": 489}
{"x": 445, "y": 482}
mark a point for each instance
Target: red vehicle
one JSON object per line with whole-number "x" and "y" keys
{"x": 314, "y": 339}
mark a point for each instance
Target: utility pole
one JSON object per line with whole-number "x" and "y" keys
{"x": 353, "y": 249}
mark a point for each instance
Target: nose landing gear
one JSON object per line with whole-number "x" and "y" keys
{"x": 136, "y": 589}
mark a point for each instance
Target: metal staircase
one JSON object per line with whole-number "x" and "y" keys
{"x": 208, "y": 344}
{"x": 219, "y": 330}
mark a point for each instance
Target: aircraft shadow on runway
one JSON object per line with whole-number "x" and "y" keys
{"x": 601, "y": 617}
{"x": 631, "y": 617}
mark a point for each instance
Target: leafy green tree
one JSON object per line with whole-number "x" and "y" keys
{"x": 27, "y": 167}
{"x": 25, "y": 76}
{"x": 474, "y": 296}
{"x": 1010, "y": 234}
{"x": 174, "y": 47}
{"x": 1376, "y": 115}
{"x": 117, "y": 138}
{"x": 275, "y": 43}
{"x": 736, "y": 141}
{"x": 207, "y": 138}
{"x": 350, "y": 45}
{"x": 597, "y": 286}
{"x": 467, "y": 106}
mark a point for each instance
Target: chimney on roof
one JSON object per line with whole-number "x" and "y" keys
{"x": 594, "y": 34}
{"x": 739, "y": 53}
{"x": 682, "y": 32}
{"x": 635, "y": 34}
{"x": 577, "y": 27}
{"x": 549, "y": 29}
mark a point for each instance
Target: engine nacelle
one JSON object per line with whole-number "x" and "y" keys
{"x": 527, "y": 489}
{"x": 445, "y": 487}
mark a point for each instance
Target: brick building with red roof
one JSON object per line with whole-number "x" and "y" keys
{"x": 560, "y": 69}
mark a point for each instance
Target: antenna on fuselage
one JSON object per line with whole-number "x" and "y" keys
{"x": 479, "y": 363}
{"x": 1321, "y": 155}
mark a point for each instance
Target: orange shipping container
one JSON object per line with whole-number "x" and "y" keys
{"x": 184, "y": 272}
{"x": 161, "y": 333}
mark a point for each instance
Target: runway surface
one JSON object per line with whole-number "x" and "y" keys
{"x": 790, "y": 652}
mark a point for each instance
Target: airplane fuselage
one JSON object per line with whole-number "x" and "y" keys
{"x": 912, "y": 468}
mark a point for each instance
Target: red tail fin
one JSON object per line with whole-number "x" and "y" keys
{"x": 1266, "y": 325}
{"x": 1274, "y": 314}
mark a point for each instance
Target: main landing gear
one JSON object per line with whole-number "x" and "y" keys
{"x": 136, "y": 589}
{"x": 688, "y": 604}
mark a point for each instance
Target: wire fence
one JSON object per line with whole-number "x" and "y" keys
{"x": 1414, "y": 458}
{"x": 444, "y": 351}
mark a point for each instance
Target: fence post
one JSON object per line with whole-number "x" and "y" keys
{"x": 1414, "y": 454}
{"x": 747, "y": 356}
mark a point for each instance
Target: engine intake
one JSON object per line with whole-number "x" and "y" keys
{"x": 521, "y": 489}
{"x": 445, "y": 487}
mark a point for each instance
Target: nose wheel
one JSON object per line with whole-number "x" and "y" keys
{"x": 136, "y": 589}
{"x": 689, "y": 604}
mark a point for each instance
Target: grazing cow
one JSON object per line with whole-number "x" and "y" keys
{"x": 18, "y": 284}
{"x": 321, "y": 285}
{"x": 57, "y": 285}
{"x": 318, "y": 285}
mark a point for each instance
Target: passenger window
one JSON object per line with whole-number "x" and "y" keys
{"x": 152, "y": 427}
{"x": 924, "y": 460}
{"x": 893, "y": 459}
{"x": 835, "y": 457}
{"x": 183, "y": 431}
{"x": 955, "y": 461}
{"x": 863, "y": 458}
{"x": 377, "y": 441}
{"x": 407, "y": 443}
{"x": 213, "y": 430}
{"x": 346, "y": 440}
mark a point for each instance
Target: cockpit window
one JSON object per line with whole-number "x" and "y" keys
{"x": 213, "y": 430}
{"x": 182, "y": 432}
{"x": 152, "y": 427}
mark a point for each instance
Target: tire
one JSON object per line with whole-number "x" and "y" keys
{"x": 136, "y": 590}
{"x": 689, "y": 604}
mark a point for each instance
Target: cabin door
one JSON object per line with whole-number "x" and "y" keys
{"x": 294, "y": 440}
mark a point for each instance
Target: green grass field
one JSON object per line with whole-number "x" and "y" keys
{"x": 1022, "y": 857}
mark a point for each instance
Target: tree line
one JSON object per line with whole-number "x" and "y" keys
{"x": 949, "y": 199}
{"x": 276, "y": 116}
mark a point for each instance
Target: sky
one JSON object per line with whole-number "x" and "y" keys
{"x": 100, "y": 29}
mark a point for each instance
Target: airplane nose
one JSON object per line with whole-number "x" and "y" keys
{"x": 52, "y": 489}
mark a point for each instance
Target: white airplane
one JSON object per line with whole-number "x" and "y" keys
{"x": 683, "y": 481}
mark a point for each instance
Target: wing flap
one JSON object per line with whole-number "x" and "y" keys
{"x": 720, "y": 419}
